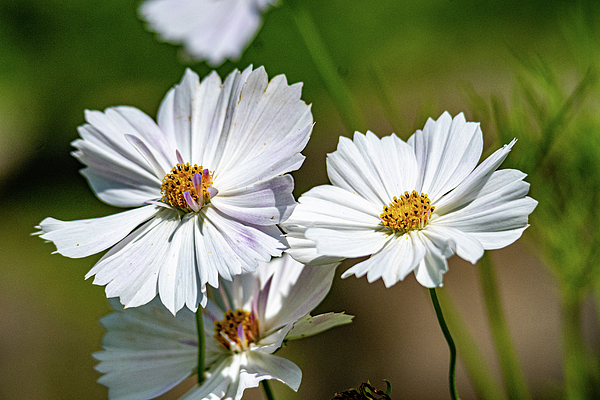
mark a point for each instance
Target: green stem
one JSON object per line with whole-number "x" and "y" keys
{"x": 201, "y": 346}
{"x": 451, "y": 346}
{"x": 267, "y": 389}
{"x": 477, "y": 368}
{"x": 336, "y": 87}
{"x": 509, "y": 363}
{"x": 573, "y": 347}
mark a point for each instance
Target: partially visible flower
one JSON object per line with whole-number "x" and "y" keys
{"x": 410, "y": 206}
{"x": 209, "y": 182}
{"x": 211, "y": 30}
{"x": 147, "y": 351}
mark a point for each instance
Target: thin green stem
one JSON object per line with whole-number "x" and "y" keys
{"x": 477, "y": 367}
{"x": 509, "y": 363}
{"x": 267, "y": 389}
{"x": 451, "y": 346}
{"x": 336, "y": 87}
{"x": 201, "y": 346}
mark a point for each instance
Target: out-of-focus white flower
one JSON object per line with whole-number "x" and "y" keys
{"x": 208, "y": 179}
{"x": 211, "y": 30}
{"x": 147, "y": 351}
{"x": 411, "y": 205}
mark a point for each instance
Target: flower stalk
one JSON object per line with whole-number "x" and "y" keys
{"x": 451, "y": 345}
{"x": 477, "y": 368}
{"x": 267, "y": 389}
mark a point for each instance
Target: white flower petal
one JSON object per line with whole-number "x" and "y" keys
{"x": 305, "y": 293}
{"x": 393, "y": 262}
{"x": 499, "y": 215}
{"x": 120, "y": 191}
{"x": 130, "y": 269}
{"x": 218, "y": 380}
{"x": 347, "y": 243}
{"x": 85, "y": 237}
{"x": 270, "y": 124}
{"x": 266, "y": 203}
{"x": 304, "y": 250}
{"x": 230, "y": 247}
{"x": 167, "y": 356}
{"x": 178, "y": 280}
{"x": 447, "y": 150}
{"x": 467, "y": 247}
{"x": 329, "y": 206}
{"x": 472, "y": 185}
{"x": 267, "y": 366}
{"x": 430, "y": 271}
{"x": 210, "y": 30}
{"x": 308, "y": 326}
{"x": 372, "y": 169}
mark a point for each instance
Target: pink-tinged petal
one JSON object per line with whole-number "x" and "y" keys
{"x": 191, "y": 202}
{"x": 469, "y": 189}
{"x": 447, "y": 150}
{"x": 309, "y": 326}
{"x": 85, "y": 237}
{"x": 266, "y": 203}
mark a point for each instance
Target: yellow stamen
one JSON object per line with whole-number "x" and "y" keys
{"x": 410, "y": 211}
{"x": 180, "y": 180}
{"x": 229, "y": 327}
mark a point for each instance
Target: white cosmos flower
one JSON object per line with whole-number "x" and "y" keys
{"x": 147, "y": 351}
{"x": 208, "y": 181}
{"x": 410, "y": 206}
{"x": 211, "y": 30}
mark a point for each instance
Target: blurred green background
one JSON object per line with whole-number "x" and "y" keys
{"x": 403, "y": 61}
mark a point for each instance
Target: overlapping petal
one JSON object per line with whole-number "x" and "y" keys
{"x": 245, "y": 133}
{"x": 147, "y": 351}
{"x": 473, "y": 208}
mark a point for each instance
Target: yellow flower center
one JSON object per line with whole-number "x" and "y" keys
{"x": 228, "y": 330}
{"x": 410, "y": 211}
{"x": 184, "y": 178}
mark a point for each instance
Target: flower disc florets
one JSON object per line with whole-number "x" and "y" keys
{"x": 410, "y": 211}
{"x": 239, "y": 328}
{"x": 188, "y": 187}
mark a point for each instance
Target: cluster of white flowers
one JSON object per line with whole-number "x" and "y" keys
{"x": 212, "y": 208}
